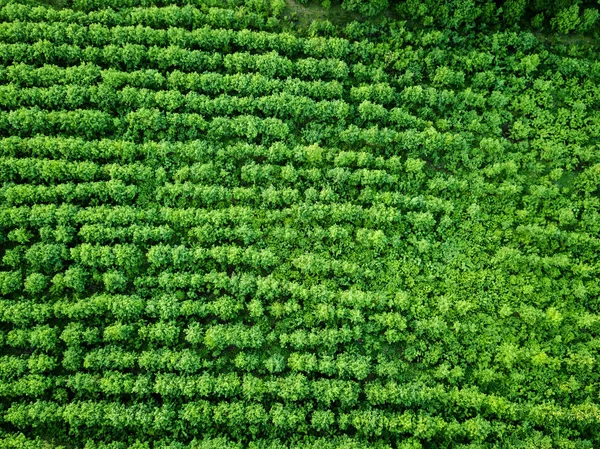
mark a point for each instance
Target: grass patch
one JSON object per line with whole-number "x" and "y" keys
{"x": 566, "y": 180}
{"x": 302, "y": 15}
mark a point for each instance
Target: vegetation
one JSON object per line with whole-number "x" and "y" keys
{"x": 227, "y": 226}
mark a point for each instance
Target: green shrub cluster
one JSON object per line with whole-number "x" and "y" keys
{"x": 562, "y": 16}
{"x": 218, "y": 234}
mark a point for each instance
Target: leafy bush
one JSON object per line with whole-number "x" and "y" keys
{"x": 567, "y": 19}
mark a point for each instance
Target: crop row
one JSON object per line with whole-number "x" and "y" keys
{"x": 131, "y": 56}
{"x": 158, "y": 16}
{"x": 152, "y": 124}
{"x": 335, "y": 393}
{"x": 282, "y": 105}
{"x": 239, "y": 417}
{"x": 196, "y": 154}
{"x": 194, "y": 180}
{"x": 205, "y": 38}
{"x": 210, "y": 83}
{"x": 106, "y": 97}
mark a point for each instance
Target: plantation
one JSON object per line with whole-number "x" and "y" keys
{"x": 224, "y": 225}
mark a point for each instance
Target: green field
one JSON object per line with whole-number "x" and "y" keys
{"x": 277, "y": 225}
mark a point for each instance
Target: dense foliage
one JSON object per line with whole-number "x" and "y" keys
{"x": 562, "y": 16}
{"x": 216, "y": 233}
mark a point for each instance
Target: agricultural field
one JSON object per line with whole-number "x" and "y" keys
{"x": 280, "y": 225}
